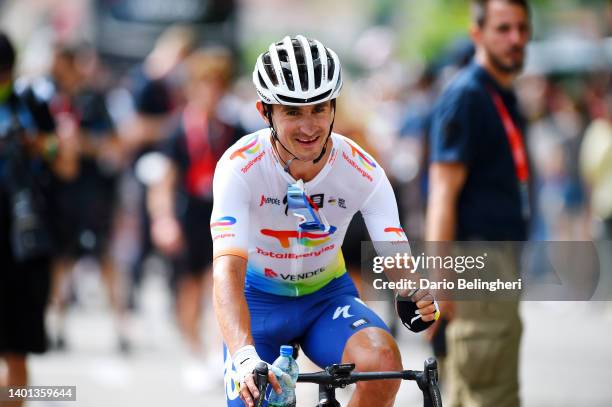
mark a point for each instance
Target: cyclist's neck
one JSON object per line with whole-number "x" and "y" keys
{"x": 304, "y": 170}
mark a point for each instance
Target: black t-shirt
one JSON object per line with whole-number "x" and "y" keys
{"x": 466, "y": 127}
{"x": 89, "y": 199}
{"x": 194, "y": 184}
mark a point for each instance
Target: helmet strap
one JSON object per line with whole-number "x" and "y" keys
{"x": 286, "y": 164}
{"x": 324, "y": 149}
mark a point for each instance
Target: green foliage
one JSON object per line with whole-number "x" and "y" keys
{"x": 426, "y": 27}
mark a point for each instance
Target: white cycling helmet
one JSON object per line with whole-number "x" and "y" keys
{"x": 297, "y": 71}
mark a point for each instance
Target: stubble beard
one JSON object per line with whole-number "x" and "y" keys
{"x": 513, "y": 69}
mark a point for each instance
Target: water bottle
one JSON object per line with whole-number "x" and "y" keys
{"x": 288, "y": 365}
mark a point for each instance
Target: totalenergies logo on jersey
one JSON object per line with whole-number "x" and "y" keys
{"x": 250, "y": 147}
{"x": 270, "y": 273}
{"x": 308, "y": 239}
{"x": 398, "y": 231}
{"x": 223, "y": 224}
{"x": 364, "y": 159}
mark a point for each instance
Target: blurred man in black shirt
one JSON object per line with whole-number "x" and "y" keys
{"x": 25, "y": 235}
{"x": 88, "y": 171}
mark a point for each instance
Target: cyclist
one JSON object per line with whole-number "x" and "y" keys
{"x": 283, "y": 198}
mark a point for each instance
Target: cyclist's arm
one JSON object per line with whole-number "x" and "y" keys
{"x": 229, "y": 301}
{"x": 235, "y": 320}
{"x": 229, "y": 226}
{"x": 381, "y": 217}
{"x": 445, "y": 183}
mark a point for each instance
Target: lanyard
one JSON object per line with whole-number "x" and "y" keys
{"x": 199, "y": 175}
{"x": 517, "y": 148}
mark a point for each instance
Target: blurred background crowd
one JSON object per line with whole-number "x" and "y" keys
{"x": 126, "y": 87}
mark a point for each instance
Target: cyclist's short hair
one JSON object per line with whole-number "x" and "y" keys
{"x": 7, "y": 53}
{"x": 479, "y": 9}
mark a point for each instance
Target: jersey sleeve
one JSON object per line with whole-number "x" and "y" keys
{"x": 381, "y": 215}
{"x": 229, "y": 223}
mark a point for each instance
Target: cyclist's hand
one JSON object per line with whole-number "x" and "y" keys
{"x": 418, "y": 310}
{"x": 249, "y": 391}
{"x": 246, "y": 360}
{"x": 447, "y": 312}
{"x": 426, "y": 305}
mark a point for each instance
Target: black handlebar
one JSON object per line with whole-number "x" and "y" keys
{"x": 261, "y": 381}
{"x": 337, "y": 379}
{"x": 428, "y": 384}
{"x": 341, "y": 375}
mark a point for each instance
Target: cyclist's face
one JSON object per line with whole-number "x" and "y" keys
{"x": 303, "y": 129}
{"x": 504, "y": 35}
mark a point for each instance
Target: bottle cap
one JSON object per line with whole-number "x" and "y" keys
{"x": 286, "y": 350}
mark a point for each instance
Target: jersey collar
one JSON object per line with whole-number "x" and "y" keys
{"x": 333, "y": 140}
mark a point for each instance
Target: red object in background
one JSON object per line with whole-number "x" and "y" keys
{"x": 202, "y": 161}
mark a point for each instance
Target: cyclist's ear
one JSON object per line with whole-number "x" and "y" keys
{"x": 263, "y": 109}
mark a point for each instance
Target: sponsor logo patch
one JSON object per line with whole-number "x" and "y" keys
{"x": 360, "y": 170}
{"x": 249, "y": 148}
{"x": 308, "y": 239}
{"x": 275, "y": 255}
{"x": 267, "y": 200}
{"x": 342, "y": 311}
{"x": 359, "y": 322}
{"x": 398, "y": 231}
{"x": 340, "y": 202}
{"x": 223, "y": 224}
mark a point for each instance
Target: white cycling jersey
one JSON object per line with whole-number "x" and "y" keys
{"x": 250, "y": 216}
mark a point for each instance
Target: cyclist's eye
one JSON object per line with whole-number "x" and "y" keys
{"x": 292, "y": 113}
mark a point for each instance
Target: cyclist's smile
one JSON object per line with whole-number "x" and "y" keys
{"x": 309, "y": 143}
{"x": 307, "y": 147}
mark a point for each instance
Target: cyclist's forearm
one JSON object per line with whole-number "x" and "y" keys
{"x": 229, "y": 302}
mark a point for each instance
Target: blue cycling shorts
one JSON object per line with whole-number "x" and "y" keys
{"x": 321, "y": 322}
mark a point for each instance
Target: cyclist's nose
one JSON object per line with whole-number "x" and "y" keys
{"x": 308, "y": 126}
